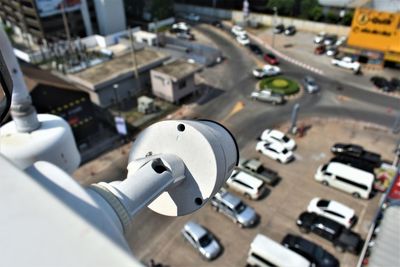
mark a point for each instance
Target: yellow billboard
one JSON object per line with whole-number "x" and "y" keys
{"x": 371, "y": 29}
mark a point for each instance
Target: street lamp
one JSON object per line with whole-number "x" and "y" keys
{"x": 274, "y": 19}
{"x": 118, "y": 104}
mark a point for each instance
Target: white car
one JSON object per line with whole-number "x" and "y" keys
{"x": 318, "y": 39}
{"x": 244, "y": 183}
{"x": 266, "y": 70}
{"x": 275, "y": 136}
{"x": 192, "y": 17}
{"x": 347, "y": 63}
{"x": 275, "y": 151}
{"x": 333, "y": 210}
{"x": 341, "y": 41}
{"x": 182, "y": 26}
{"x": 237, "y": 30}
{"x": 243, "y": 39}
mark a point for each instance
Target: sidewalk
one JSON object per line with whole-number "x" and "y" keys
{"x": 299, "y": 50}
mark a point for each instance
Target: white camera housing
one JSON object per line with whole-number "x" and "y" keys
{"x": 209, "y": 153}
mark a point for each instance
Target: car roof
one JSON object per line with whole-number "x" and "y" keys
{"x": 277, "y": 134}
{"x": 248, "y": 179}
{"x": 276, "y": 146}
{"x": 195, "y": 230}
{"x": 337, "y": 206}
{"x": 230, "y": 200}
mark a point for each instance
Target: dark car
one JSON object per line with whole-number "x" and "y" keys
{"x": 320, "y": 49}
{"x": 342, "y": 238}
{"x": 395, "y": 84}
{"x": 280, "y": 28}
{"x": 330, "y": 39}
{"x": 185, "y": 36}
{"x": 291, "y": 30}
{"x": 381, "y": 83}
{"x": 358, "y": 152}
{"x": 271, "y": 59}
{"x": 255, "y": 49}
{"x": 309, "y": 250}
{"x": 217, "y": 23}
{"x": 355, "y": 162}
{"x": 258, "y": 170}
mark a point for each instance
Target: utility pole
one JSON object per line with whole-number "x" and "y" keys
{"x": 295, "y": 112}
{"x": 396, "y": 159}
{"x": 135, "y": 65}
{"x": 65, "y": 21}
{"x": 274, "y": 19}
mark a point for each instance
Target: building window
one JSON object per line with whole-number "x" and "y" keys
{"x": 182, "y": 84}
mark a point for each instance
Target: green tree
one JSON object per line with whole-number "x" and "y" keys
{"x": 332, "y": 17}
{"x": 284, "y": 7}
{"x": 162, "y": 9}
{"x": 348, "y": 18}
{"x": 306, "y": 6}
{"x": 315, "y": 13}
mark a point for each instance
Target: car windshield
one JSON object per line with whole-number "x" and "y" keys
{"x": 205, "y": 240}
{"x": 240, "y": 207}
{"x": 285, "y": 151}
{"x": 323, "y": 203}
{"x": 271, "y": 56}
{"x": 285, "y": 138}
{"x": 324, "y": 167}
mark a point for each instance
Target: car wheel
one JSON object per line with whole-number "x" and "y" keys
{"x": 304, "y": 230}
{"x": 239, "y": 224}
{"x": 247, "y": 196}
{"x": 259, "y": 151}
{"x": 339, "y": 248}
{"x": 325, "y": 183}
{"x": 356, "y": 195}
{"x": 215, "y": 208}
{"x": 278, "y": 160}
{"x": 274, "y": 103}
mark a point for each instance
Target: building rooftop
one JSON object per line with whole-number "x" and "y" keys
{"x": 118, "y": 67}
{"x": 178, "y": 69}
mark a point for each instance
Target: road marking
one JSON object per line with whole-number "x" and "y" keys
{"x": 236, "y": 108}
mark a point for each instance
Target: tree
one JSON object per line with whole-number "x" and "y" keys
{"x": 315, "y": 13}
{"x": 284, "y": 7}
{"x": 331, "y": 17}
{"x": 161, "y": 9}
{"x": 348, "y": 18}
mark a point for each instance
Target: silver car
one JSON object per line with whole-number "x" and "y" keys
{"x": 310, "y": 85}
{"x": 202, "y": 240}
{"x": 234, "y": 208}
{"x": 268, "y": 96}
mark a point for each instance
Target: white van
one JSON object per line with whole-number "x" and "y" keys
{"x": 244, "y": 183}
{"x": 266, "y": 252}
{"x": 344, "y": 177}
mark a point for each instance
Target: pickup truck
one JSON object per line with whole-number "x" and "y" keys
{"x": 347, "y": 63}
{"x": 256, "y": 168}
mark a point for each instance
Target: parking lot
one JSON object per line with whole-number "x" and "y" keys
{"x": 279, "y": 209}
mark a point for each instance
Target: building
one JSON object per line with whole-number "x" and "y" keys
{"x": 174, "y": 81}
{"x": 374, "y": 37}
{"x": 93, "y": 128}
{"x": 114, "y": 81}
{"x": 39, "y": 21}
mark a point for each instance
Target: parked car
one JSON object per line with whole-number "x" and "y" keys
{"x": 202, "y": 240}
{"x": 395, "y": 83}
{"x": 268, "y": 96}
{"x": 275, "y": 136}
{"x": 185, "y": 36}
{"x": 266, "y": 71}
{"x": 255, "y": 49}
{"x": 234, "y": 208}
{"x": 330, "y": 39}
{"x": 320, "y": 49}
{"x": 180, "y": 27}
{"x": 347, "y": 63}
{"x": 271, "y": 59}
{"x": 342, "y": 238}
{"x": 258, "y": 170}
{"x": 275, "y": 151}
{"x": 217, "y": 23}
{"x": 355, "y": 162}
{"x": 310, "y": 84}
{"x": 319, "y": 38}
{"x": 357, "y": 151}
{"x": 333, "y": 210}
{"x": 192, "y": 17}
{"x": 243, "y": 39}
{"x": 318, "y": 256}
{"x": 246, "y": 184}
{"x": 381, "y": 83}
{"x": 341, "y": 41}
{"x": 237, "y": 30}
{"x": 280, "y": 28}
{"x": 331, "y": 51}
{"x": 291, "y": 30}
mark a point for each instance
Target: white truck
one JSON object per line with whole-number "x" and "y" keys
{"x": 347, "y": 63}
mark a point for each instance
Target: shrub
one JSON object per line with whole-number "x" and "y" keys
{"x": 279, "y": 85}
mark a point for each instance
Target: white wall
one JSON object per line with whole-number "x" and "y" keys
{"x": 110, "y": 16}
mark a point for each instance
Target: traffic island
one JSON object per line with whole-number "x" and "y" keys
{"x": 279, "y": 85}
